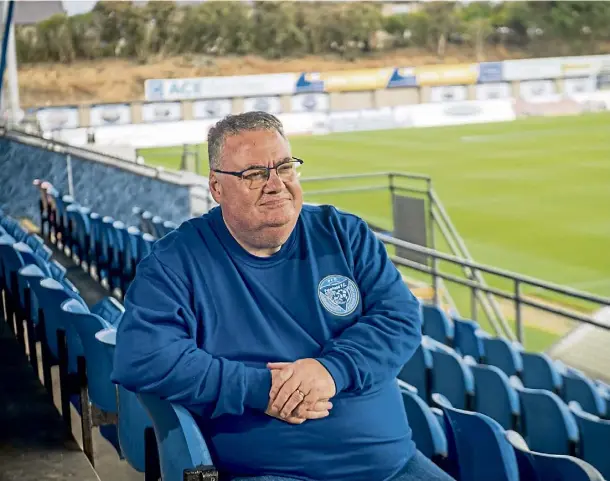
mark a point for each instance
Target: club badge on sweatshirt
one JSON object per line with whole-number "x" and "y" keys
{"x": 339, "y": 295}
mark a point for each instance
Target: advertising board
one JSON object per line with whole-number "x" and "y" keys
{"x": 219, "y": 87}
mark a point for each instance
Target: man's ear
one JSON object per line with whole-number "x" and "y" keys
{"x": 214, "y": 186}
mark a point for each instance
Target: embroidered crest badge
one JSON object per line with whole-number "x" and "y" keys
{"x": 339, "y": 295}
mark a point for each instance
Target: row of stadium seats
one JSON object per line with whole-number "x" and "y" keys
{"x": 441, "y": 380}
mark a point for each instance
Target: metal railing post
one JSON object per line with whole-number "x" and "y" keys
{"x": 473, "y": 303}
{"x": 518, "y": 315}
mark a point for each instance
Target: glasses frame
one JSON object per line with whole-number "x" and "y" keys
{"x": 240, "y": 174}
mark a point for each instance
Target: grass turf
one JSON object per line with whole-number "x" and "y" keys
{"x": 530, "y": 196}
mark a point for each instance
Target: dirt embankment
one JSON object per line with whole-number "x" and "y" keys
{"x": 114, "y": 80}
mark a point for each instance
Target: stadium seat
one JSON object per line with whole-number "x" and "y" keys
{"x": 536, "y": 466}
{"x": 451, "y": 376}
{"x": 539, "y": 372}
{"x": 548, "y": 426}
{"x": 428, "y": 434}
{"x": 477, "y": 447}
{"x": 418, "y": 370}
{"x": 98, "y": 393}
{"x": 594, "y": 439}
{"x": 135, "y": 428}
{"x": 180, "y": 444}
{"x": 437, "y": 325}
{"x": 467, "y": 341}
{"x": 494, "y": 395}
{"x": 503, "y": 354}
{"x": 578, "y": 387}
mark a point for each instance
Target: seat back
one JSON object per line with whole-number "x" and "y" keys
{"x": 481, "y": 449}
{"x": 594, "y": 439}
{"x": 133, "y": 419}
{"x": 501, "y": 353}
{"x": 109, "y": 309}
{"x": 538, "y": 466}
{"x": 428, "y": 434}
{"x": 102, "y": 392}
{"x": 437, "y": 325}
{"x": 466, "y": 340}
{"x": 494, "y": 396}
{"x": 578, "y": 387}
{"x": 451, "y": 376}
{"x": 180, "y": 442}
{"x": 539, "y": 372}
{"x": 418, "y": 371}
{"x": 50, "y": 295}
{"x": 548, "y": 425}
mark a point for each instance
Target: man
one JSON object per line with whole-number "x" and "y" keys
{"x": 282, "y": 327}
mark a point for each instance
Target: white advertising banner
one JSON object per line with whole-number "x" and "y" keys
{"x": 271, "y": 105}
{"x": 56, "y": 118}
{"x": 493, "y": 91}
{"x": 585, "y": 66}
{"x": 219, "y": 87}
{"x": 573, "y": 86}
{"x": 162, "y": 112}
{"x": 538, "y": 91}
{"x": 212, "y": 109}
{"x": 314, "y": 102}
{"x": 448, "y": 93}
{"x": 109, "y": 114}
{"x": 459, "y": 113}
{"x": 538, "y": 68}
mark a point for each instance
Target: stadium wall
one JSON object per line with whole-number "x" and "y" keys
{"x": 103, "y": 184}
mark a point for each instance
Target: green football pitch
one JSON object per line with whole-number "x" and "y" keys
{"x": 530, "y": 196}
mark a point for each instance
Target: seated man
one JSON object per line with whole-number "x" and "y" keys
{"x": 282, "y": 327}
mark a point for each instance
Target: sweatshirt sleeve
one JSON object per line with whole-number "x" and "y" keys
{"x": 375, "y": 348}
{"x": 156, "y": 351}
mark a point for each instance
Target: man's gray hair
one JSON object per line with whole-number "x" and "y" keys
{"x": 235, "y": 124}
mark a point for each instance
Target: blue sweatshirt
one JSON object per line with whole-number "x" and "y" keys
{"x": 203, "y": 317}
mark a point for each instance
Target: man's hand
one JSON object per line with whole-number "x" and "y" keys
{"x": 300, "y": 385}
{"x": 320, "y": 409}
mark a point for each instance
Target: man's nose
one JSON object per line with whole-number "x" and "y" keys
{"x": 274, "y": 182}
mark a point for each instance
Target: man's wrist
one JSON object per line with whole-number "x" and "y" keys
{"x": 258, "y": 385}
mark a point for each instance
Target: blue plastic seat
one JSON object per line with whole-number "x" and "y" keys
{"x": 437, "y": 325}
{"x": 477, "y": 446}
{"x": 451, "y": 376}
{"x": 494, "y": 395}
{"x": 418, "y": 370}
{"x": 503, "y": 354}
{"x": 133, "y": 420}
{"x": 548, "y": 425}
{"x": 578, "y": 387}
{"x": 594, "y": 439}
{"x": 180, "y": 443}
{"x": 467, "y": 341}
{"x": 539, "y": 372}
{"x": 428, "y": 434}
{"x": 536, "y": 466}
{"x": 99, "y": 391}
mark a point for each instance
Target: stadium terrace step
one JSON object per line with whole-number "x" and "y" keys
{"x": 586, "y": 348}
{"x": 34, "y": 445}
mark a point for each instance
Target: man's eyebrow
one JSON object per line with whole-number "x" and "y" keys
{"x": 259, "y": 166}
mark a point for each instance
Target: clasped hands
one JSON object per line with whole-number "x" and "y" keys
{"x": 300, "y": 390}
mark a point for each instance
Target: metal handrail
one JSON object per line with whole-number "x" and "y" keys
{"x": 523, "y": 279}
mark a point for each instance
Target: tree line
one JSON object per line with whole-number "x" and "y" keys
{"x": 291, "y": 29}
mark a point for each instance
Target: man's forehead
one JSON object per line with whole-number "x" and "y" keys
{"x": 259, "y": 147}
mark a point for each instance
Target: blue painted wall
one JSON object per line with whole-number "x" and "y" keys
{"x": 108, "y": 190}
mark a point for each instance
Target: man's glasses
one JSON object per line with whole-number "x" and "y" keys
{"x": 256, "y": 177}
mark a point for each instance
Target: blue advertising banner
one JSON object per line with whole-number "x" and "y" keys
{"x": 490, "y": 72}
